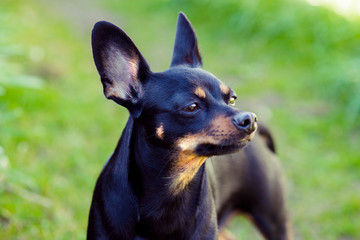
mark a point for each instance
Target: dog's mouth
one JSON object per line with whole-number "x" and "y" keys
{"x": 223, "y": 147}
{"x": 215, "y": 141}
{"x": 226, "y": 135}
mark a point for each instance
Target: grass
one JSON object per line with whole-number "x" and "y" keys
{"x": 295, "y": 65}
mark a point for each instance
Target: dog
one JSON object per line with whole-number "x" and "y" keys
{"x": 187, "y": 159}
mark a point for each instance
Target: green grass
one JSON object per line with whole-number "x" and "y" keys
{"x": 295, "y": 65}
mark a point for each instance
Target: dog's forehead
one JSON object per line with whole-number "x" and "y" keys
{"x": 191, "y": 77}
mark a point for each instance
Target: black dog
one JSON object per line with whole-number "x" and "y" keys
{"x": 162, "y": 181}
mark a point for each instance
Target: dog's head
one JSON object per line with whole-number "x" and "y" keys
{"x": 184, "y": 108}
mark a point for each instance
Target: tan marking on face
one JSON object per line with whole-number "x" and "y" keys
{"x": 219, "y": 128}
{"x": 223, "y": 128}
{"x": 191, "y": 141}
{"x": 187, "y": 163}
{"x": 223, "y": 125}
{"x": 160, "y": 131}
{"x": 224, "y": 89}
{"x": 200, "y": 92}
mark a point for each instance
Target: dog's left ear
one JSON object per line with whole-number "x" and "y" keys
{"x": 186, "y": 50}
{"x": 122, "y": 68}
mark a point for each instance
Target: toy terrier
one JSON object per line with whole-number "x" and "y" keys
{"x": 187, "y": 159}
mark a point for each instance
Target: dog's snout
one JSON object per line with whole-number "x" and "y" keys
{"x": 245, "y": 121}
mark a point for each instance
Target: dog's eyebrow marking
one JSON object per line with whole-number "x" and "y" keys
{"x": 224, "y": 89}
{"x": 200, "y": 92}
{"x": 160, "y": 131}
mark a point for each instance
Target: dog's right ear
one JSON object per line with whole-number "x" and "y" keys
{"x": 122, "y": 68}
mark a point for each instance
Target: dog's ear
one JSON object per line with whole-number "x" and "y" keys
{"x": 122, "y": 68}
{"x": 186, "y": 50}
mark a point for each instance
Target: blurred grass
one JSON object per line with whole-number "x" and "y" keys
{"x": 295, "y": 65}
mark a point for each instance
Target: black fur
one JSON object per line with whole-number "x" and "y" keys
{"x": 163, "y": 180}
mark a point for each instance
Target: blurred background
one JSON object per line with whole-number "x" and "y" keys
{"x": 295, "y": 63}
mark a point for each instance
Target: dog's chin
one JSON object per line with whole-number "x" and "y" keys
{"x": 208, "y": 149}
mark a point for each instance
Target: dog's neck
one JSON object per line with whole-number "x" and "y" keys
{"x": 155, "y": 165}
{"x": 153, "y": 189}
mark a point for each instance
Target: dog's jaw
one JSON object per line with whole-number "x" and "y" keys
{"x": 193, "y": 150}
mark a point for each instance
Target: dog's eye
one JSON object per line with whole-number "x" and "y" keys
{"x": 191, "y": 108}
{"x": 232, "y": 101}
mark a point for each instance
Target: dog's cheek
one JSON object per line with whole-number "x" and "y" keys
{"x": 159, "y": 131}
{"x": 189, "y": 142}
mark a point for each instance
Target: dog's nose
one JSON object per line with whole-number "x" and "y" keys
{"x": 245, "y": 121}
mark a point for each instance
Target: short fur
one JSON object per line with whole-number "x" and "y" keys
{"x": 187, "y": 159}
